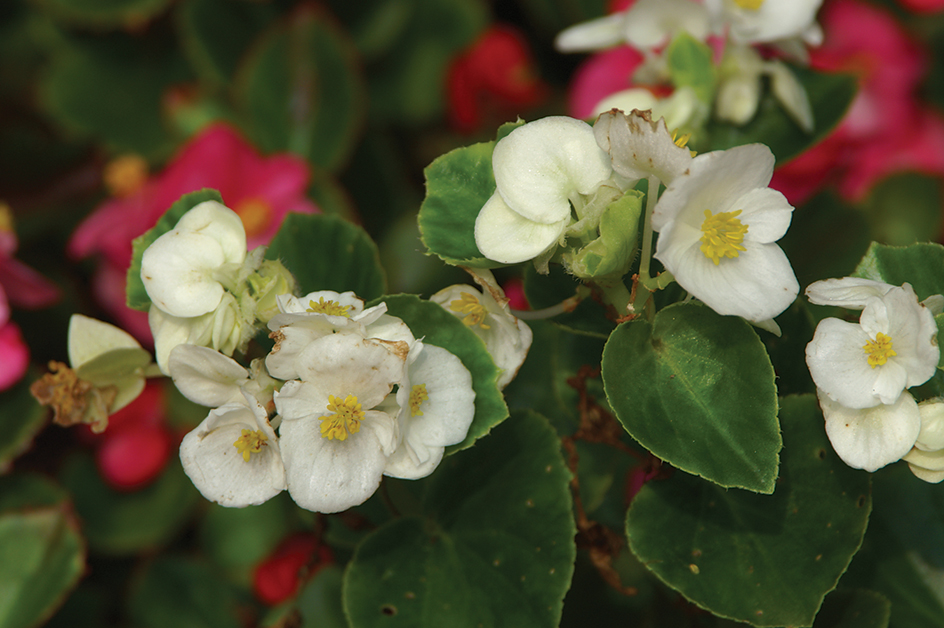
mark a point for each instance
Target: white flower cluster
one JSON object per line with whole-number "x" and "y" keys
{"x": 862, "y": 370}
{"x": 718, "y": 222}
{"x": 345, "y": 396}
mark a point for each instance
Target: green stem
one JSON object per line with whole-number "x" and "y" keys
{"x": 644, "y": 288}
{"x": 617, "y": 295}
{"x": 567, "y": 305}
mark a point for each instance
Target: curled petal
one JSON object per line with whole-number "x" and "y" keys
{"x": 505, "y": 236}
{"x": 205, "y": 376}
{"x": 849, "y": 292}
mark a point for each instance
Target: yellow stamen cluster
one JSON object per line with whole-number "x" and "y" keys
{"x": 417, "y": 396}
{"x": 124, "y": 175}
{"x": 722, "y": 235}
{"x": 346, "y": 419}
{"x": 256, "y": 214}
{"x": 750, "y": 5}
{"x": 329, "y": 307}
{"x": 879, "y": 350}
{"x": 475, "y": 312}
{"x": 251, "y": 442}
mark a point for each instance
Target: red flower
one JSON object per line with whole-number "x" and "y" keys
{"x": 297, "y": 558}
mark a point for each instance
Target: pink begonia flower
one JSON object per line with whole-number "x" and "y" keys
{"x": 262, "y": 190}
{"x": 599, "y": 76}
{"x": 21, "y": 287}
{"x": 886, "y": 129}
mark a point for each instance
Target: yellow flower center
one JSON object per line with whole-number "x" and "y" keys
{"x": 329, "y": 307}
{"x": 474, "y": 311}
{"x": 417, "y": 396}
{"x": 250, "y": 443}
{"x": 722, "y": 235}
{"x": 879, "y": 350}
{"x": 750, "y": 5}
{"x": 255, "y": 213}
{"x": 124, "y": 175}
{"x": 346, "y": 419}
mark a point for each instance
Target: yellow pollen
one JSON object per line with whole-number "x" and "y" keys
{"x": 750, "y": 5}
{"x": 722, "y": 235}
{"x": 879, "y": 350}
{"x": 329, "y": 307}
{"x": 255, "y": 213}
{"x": 417, "y": 396}
{"x": 124, "y": 175}
{"x": 250, "y": 443}
{"x": 346, "y": 419}
{"x": 475, "y": 312}
{"x": 680, "y": 140}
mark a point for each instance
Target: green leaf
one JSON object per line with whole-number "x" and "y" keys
{"x": 101, "y": 14}
{"x": 436, "y": 326}
{"x": 905, "y": 208}
{"x": 486, "y": 551}
{"x": 21, "y": 419}
{"x": 300, "y": 89}
{"x": 111, "y": 88}
{"x": 457, "y": 186}
{"x": 697, "y": 390}
{"x": 766, "y": 560}
{"x": 184, "y": 593}
{"x": 124, "y": 523}
{"x": 830, "y": 97}
{"x": 856, "y": 608}
{"x": 136, "y": 294}
{"x": 921, "y": 265}
{"x": 216, "y": 34}
{"x": 690, "y": 65}
{"x": 328, "y": 253}
{"x": 27, "y": 491}
{"x": 43, "y": 557}
{"x": 589, "y": 317}
{"x": 319, "y": 602}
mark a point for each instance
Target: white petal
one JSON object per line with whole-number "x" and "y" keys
{"x": 540, "y": 165}
{"x": 913, "y": 331}
{"x": 766, "y": 213}
{"x": 177, "y": 272}
{"x": 849, "y": 292}
{"x": 757, "y": 285}
{"x": 839, "y": 366}
{"x": 508, "y": 237}
{"x": 593, "y": 35}
{"x": 332, "y": 475}
{"x": 219, "y": 223}
{"x": 931, "y": 437}
{"x": 640, "y": 146}
{"x": 651, "y": 23}
{"x": 791, "y": 94}
{"x": 871, "y": 438}
{"x": 205, "y": 376}
{"x": 216, "y": 467}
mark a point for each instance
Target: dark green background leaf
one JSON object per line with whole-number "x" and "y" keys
{"x": 921, "y": 265}
{"x": 21, "y": 418}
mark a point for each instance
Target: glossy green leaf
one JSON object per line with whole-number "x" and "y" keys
{"x": 136, "y": 294}
{"x": 112, "y": 89}
{"x": 765, "y": 560}
{"x": 42, "y": 557}
{"x": 921, "y": 265}
{"x": 486, "y": 550}
{"x": 21, "y": 418}
{"x": 328, "y": 253}
{"x": 184, "y": 593}
{"x": 122, "y": 523}
{"x": 105, "y": 13}
{"x": 436, "y": 326}
{"x": 697, "y": 390}
{"x": 856, "y": 608}
{"x": 690, "y": 65}
{"x": 457, "y": 186}
{"x": 216, "y": 34}
{"x": 300, "y": 89}
{"x": 830, "y": 97}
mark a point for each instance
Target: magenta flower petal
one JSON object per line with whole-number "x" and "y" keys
{"x": 26, "y": 288}
{"x": 14, "y": 355}
{"x": 601, "y": 75}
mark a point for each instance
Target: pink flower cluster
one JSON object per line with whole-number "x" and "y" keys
{"x": 260, "y": 189}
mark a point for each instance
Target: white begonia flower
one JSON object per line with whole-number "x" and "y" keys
{"x": 436, "y": 407}
{"x": 870, "y": 438}
{"x": 640, "y": 147}
{"x": 335, "y": 440}
{"x": 306, "y": 319}
{"x": 893, "y": 347}
{"x": 211, "y": 379}
{"x": 852, "y": 293}
{"x": 223, "y": 329}
{"x": 926, "y": 459}
{"x": 718, "y": 225}
{"x": 186, "y": 270}
{"x": 645, "y": 25}
{"x": 233, "y": 456}
{"x": 765, "y": 21}
{"x": 540, "y": 168}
